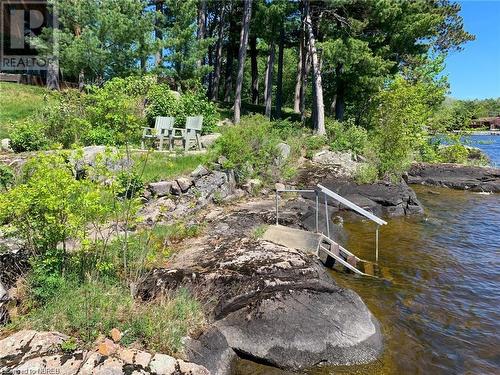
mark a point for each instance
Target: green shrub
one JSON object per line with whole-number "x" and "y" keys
{"x": 28, "y": 136}
{"x": 6, "y": 177}
{"x": 456, "y": 153}
{"x": 366, "y": 174}
{"x": 250, "y": 148}
{"x": 162, "y": 101}
{"x": 129, "y": 184}
{"x": 347, "y": 137}
{"x": 314, "y": 143}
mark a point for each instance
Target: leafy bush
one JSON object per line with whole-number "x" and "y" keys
{"x": 366, "y": 174}
{"x": 161, "y": 101}
{"x": 401, "y": 112}
{"x": 347, "y": 137}
{"x": 6, "y": 177}
{"x": 314, "y": 143}
{"x": 250, "y": 148}
{"x": 50, "y": 205}
{"x": 456, "y": 153}
{"x": 28, "y": 136}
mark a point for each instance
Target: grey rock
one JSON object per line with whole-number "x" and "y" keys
{"x": 269, "y": 302}
{"x": 209, "y": 139}
{"x": 176, "y": 189}
{"x": 344, "y": 161}
{"x": 5, "y": 145}
{"x": 252, "y": 185}
{"x": 212, "y": 351}
{"x": 206, "y": 185}
{"x": 461, "y": 177}
{"x": 160, "y": 189}
{"x": 14, "y": 261}
{"x": 90, "y": 156}
{"x": 184, "y": 183}
{"x": 284, "y": 153}
{"x": 162, "y": 364}
{"x": 200, "y": 171}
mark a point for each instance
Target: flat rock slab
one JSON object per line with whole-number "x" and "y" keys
{"x": 461, "y": 177}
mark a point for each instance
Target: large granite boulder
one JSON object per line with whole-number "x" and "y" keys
{"x": 266, "y": 302}
{"x": 461, "y": 177}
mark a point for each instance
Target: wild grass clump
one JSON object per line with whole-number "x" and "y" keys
{"x": 90, "y": 309}
{"x": 159, "y": 166}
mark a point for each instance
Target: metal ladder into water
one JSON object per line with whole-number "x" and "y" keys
{"x": 335, "y": 253}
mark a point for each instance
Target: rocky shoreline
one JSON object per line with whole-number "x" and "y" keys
{"x": 268, "y": 303}
{"x": 461, "y": 177}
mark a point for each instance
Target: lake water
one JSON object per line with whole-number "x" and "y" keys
{"x": 438, "y": 300}
{"x": 489, "y": 144}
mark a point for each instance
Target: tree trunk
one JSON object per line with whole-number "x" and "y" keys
{"x": 306, "y": 68}
{"x": 214, "y": 94}
{"x": 158, "y": 34}
{"x": 255, "y": 69}
{"x": 319, "y": 121}
{"x": 231, "y": 47}
{"x": 340, "y": 94}
{"x": 279, "y": 79}
{"x": 202, "y": 11}
{"x": 245, "y": 27}
{"x": 269, "y": 81}
{"x": 300, "y": 67}
{"x": 53, "y": 74}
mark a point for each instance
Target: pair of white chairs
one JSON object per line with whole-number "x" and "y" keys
{"x": 164, "y": 130}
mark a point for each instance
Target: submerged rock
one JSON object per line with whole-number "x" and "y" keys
{"x": 266, "y": 302}
{"x": 461, "y": 177}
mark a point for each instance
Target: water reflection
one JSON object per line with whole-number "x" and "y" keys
{"x": 439, "y": 298}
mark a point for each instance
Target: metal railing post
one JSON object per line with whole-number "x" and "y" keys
{"x": 277, "y": 207}
{"x": 327, "y": 219}
{"x": 376, "y": 244}
{"x": 317, "y": 211}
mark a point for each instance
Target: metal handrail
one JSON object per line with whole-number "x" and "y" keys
{"x": 351, "y": 205}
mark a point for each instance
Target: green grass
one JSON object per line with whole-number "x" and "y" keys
{"x": 93, "y": 308}
{"x": 159, "y": 166}
{"x": 19, "y": 102}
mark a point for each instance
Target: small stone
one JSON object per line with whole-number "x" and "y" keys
{"x": 279, "y": 186}
{"x": 160, "y": 189}
{"x": 222, "y": 160}
{"x": 184, "y": 183}
{"x": 176, "y": 189}
{"x": 115, "y": 334}
{"x": 135, "y": 357}
{"x": 162, "y": 364}
{"x": 191, "y": 368}
{"x": 209, "y": 139}
{"x": 252, "y": 185}
{"x": 107, "y": 347}
{"x": 5, "y": 145}
{"x": 284, "y": 152}
{"x": 200, "y": 171}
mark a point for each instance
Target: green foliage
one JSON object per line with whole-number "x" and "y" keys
{"x": 6, "y": 177}
{"x": 366, "y": 174}
{"x": 50, "y": 206}
{"x": 347, "y": 137}
{"x": 314, "y": 143}
{"x": 456, "y": 153}
{"x": 154, "y": 167}
{"x": 70, "y": 345}
{"x": 28, "y": 135}
{"x": 163, "y": 102}
{"x": 129, "y": 184}
{"x": 185, "y": 49}
{"x": 102, "y": 39}
{"x": 399, "y": 117}
{"x": 19, "y": 102}
{"x": 250, "y": 148}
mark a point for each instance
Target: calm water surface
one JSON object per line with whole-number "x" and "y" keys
{"x": 438, "y": 300}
